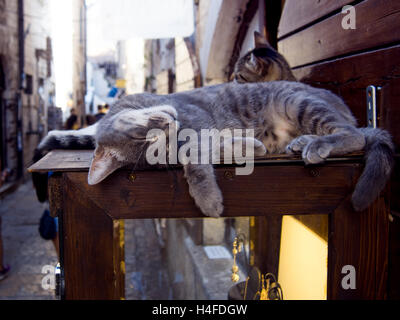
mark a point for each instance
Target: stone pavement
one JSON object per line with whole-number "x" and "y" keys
{"x": 146, "y": 278}
{"x": 27, "y": 253}
{"x": 24, "y": 250}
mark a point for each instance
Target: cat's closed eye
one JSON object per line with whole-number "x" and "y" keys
{"x": 240, "y": 78}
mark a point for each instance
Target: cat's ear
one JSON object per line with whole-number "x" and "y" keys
{"x": 260, "y": 41}
{"x": 252, "y": 62}
{"x": 105, "y": 162}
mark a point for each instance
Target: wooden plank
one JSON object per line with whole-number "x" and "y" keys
{"x": 251, "y": 10}
{"x": 394, "y": 257}
{"x": 269, "y": 190}
{"x": 358, "y": 239}
{"x": 349, "y": 78}
{"x": 297, "y": 14}
{"x": 55, "y": 191}
{"x": 395, "y": 191}
{"x": 389, "y": 112}
{"x": 63, "y": 160}
{"x": 382, "y": 245}
{"x": 91, "y": 248}
{"x": 377, "y": 25}
{"x": 79, "y": 160}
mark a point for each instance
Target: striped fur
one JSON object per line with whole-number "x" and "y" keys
{"x": 264, "y": 63}
{"x": 69, "y": 139}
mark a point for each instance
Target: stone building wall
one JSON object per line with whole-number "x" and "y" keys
{"x": 79, "y": 41}
{"x": 25, "y": 96}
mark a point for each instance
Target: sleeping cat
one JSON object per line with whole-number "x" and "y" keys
{"x": 286, "y": 116}
{"x": 261, "y": 64}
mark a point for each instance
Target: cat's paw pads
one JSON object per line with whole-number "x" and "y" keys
{"x": 137, "y": 123}
{"x": 316, "y": 152}
{"x": 298, "y": 144}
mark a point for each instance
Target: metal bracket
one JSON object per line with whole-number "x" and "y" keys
{"x": 372, "y": 109}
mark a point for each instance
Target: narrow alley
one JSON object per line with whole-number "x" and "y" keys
{"x": 29, "y": 255}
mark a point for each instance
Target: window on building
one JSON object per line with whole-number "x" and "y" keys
{"x": 28, "y": 84}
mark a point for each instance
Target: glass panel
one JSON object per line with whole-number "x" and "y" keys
{"x": 303, "y": 261}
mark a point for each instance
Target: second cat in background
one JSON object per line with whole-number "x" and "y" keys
{"x": 262, "y": 64}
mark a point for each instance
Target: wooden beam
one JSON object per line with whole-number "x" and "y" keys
{"x": 91, "y": 233}
{"x": 92, "y": 250}
{"x": 299, "y": 14}
{"x": 266, "y": 241}
{"x": 164, "y": 194}
{"x": 376, "y": 26}
{"x": 251, "y": 10}
{"x": 79, "y": 160}
{"x": 359, "y": 239}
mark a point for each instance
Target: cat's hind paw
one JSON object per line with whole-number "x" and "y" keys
{"x": 212, "y": 207}
{"x": 316, "y": 152}
{"x": 208, "y": 199}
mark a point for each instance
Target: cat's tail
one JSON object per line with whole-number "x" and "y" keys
{"x": 379, "y": 163}
{"x": 71, "y": 139}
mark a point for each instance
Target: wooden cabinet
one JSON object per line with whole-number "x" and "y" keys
{"x": 91, "y": 238}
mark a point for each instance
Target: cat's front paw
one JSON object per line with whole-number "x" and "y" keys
{"x": 137, "y": 123}
{"x": 259, "y": 148}
{"x": 316, "y": 151}
{"x": 298, "y": 144}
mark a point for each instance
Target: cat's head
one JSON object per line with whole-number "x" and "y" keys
{"x": 261, "y": 64}
{"x": 125, "y": 137}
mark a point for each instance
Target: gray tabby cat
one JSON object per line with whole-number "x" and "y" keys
{"x": 286, "y": 116}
